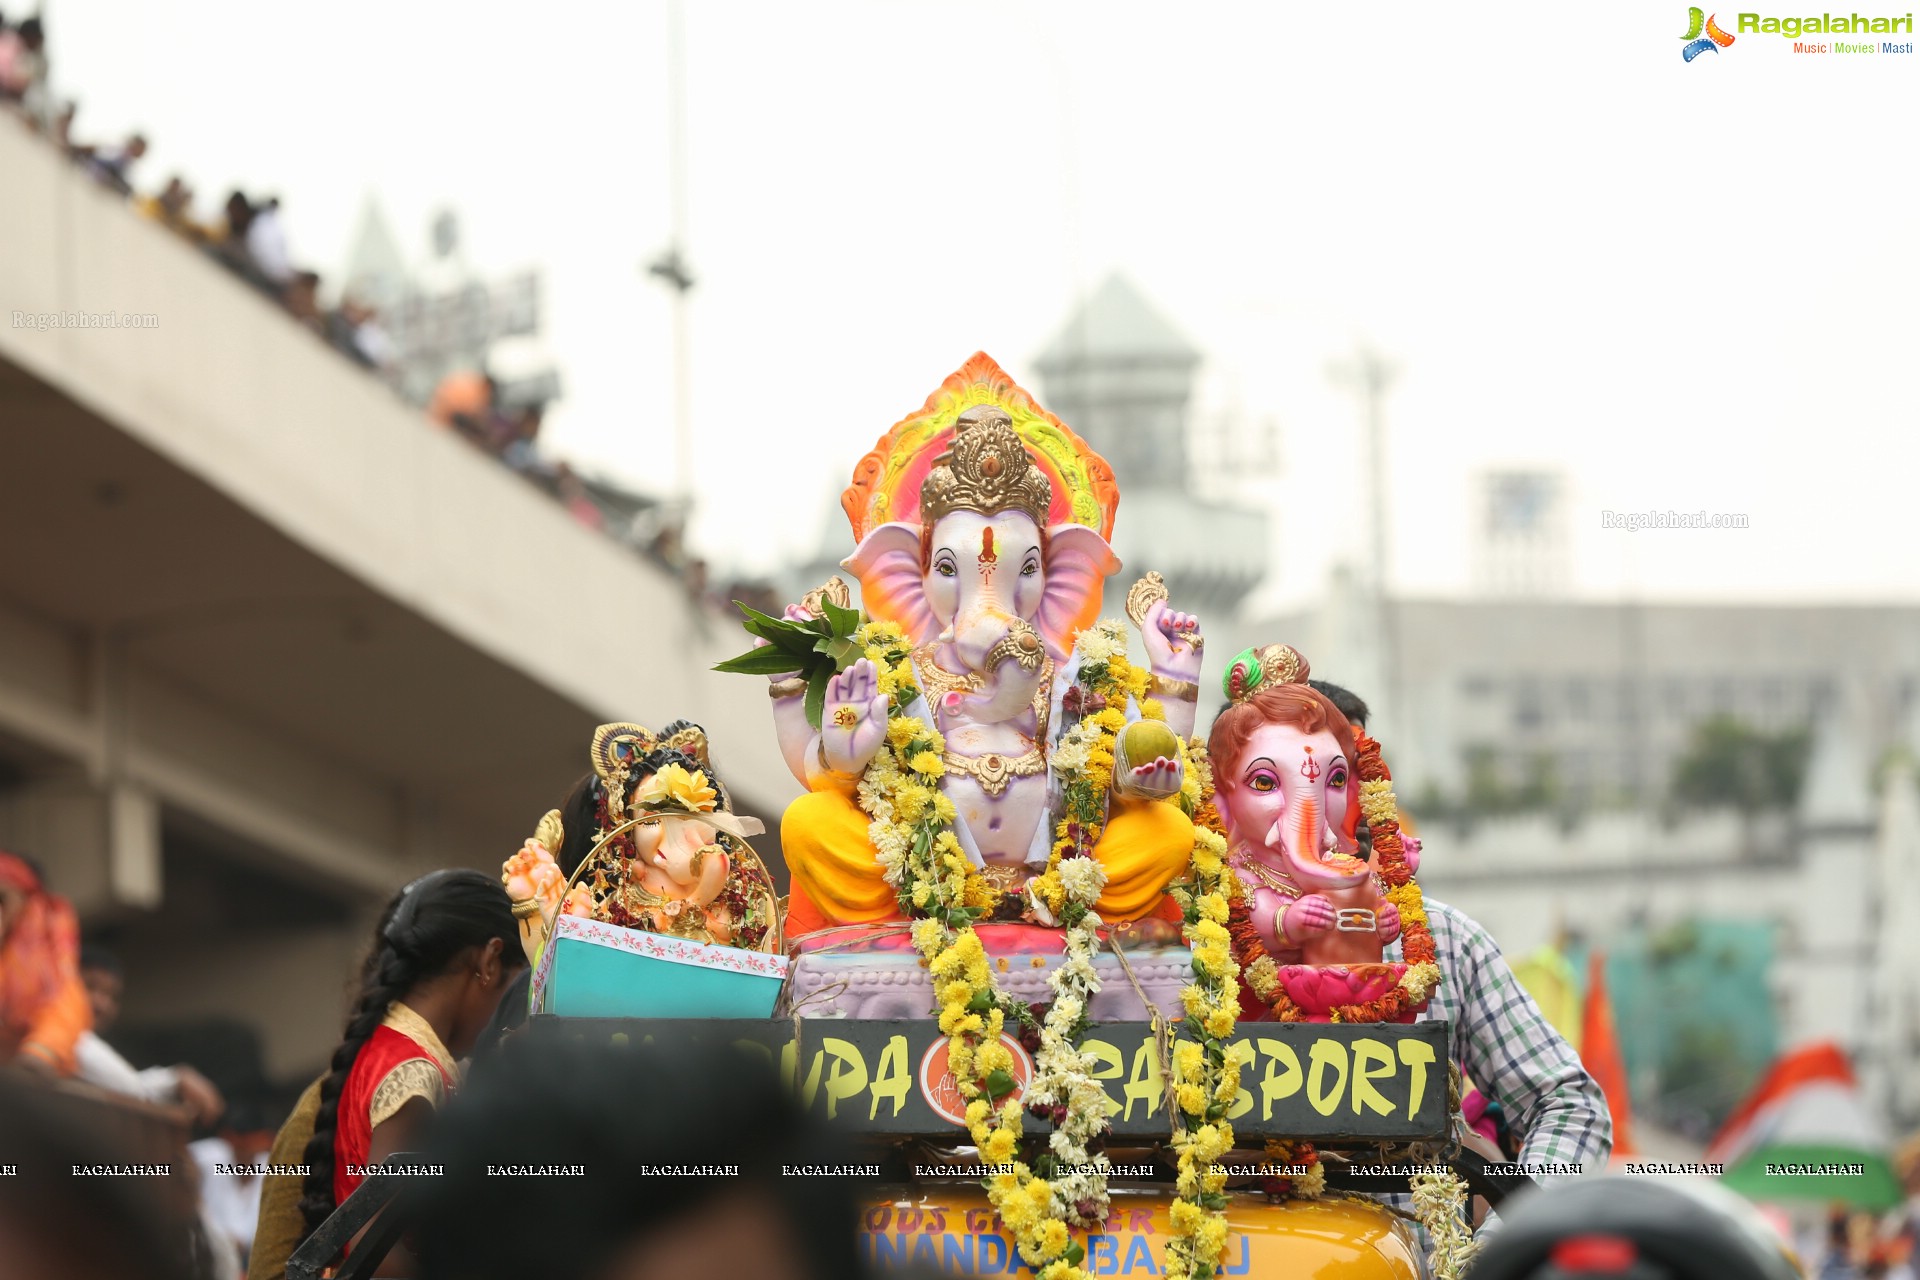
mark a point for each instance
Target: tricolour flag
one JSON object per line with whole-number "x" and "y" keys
{"x": 1805, "y": 1133}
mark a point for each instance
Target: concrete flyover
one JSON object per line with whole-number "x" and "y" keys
{"x": 270, "y": 642}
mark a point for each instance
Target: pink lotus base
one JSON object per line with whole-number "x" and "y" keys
{"x": 1319, "y": 989}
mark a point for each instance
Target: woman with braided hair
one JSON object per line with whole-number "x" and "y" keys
{"x": 446, "y": 948}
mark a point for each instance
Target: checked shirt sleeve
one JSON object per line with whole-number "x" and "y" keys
{"x": 1514, "y": 1055}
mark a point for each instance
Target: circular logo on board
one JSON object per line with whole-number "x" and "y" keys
{"x": 942, "y": 1091}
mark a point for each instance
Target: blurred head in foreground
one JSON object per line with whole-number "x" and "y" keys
{"x": 54, "y": 1226}
{"x": 620, "y": 1113}
{"x": 1634, "y": 1229}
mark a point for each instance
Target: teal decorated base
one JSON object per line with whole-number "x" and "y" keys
{"x": 595, "y": 970}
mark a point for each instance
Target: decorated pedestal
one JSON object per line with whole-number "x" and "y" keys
{"x": 595, "y": 970}
{"x": 876, "y": 974}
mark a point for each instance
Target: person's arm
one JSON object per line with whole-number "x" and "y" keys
{"x": 99, "y": 1064}
{"x": 1513, "y": 1053}
{"x": 399, "y": 1132}
{"x": 54, "y": 1035}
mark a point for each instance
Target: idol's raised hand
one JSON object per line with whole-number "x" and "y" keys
{"x": 853, "y": 721}
{"x": 1173, "y": 642}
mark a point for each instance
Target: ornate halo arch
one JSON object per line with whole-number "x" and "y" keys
{"x": 886, "y": 484}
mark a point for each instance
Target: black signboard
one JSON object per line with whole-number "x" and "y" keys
{"x": 1322, "y": 1082}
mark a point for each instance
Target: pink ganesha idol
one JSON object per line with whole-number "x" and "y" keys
{"x": 1287, "y": 788}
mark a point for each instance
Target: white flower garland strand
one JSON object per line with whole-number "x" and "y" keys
{"x": 1438, "y": 1200}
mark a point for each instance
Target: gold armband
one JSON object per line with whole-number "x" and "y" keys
{"x": 1179, "y": 690}
{"x": 820, "y": 754}
{"x": 791, "y": 687}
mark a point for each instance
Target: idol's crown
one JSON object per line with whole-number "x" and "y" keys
{"x": 986, "y": 469}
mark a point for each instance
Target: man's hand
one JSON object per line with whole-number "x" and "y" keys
{"x": 200, "y": 1097}
{"x": 39, "y": 1063}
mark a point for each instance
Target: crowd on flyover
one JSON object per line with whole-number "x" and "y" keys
{"x": 248, "y": 236}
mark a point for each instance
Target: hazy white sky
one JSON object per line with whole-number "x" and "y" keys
{"x": 1687, "y": 285}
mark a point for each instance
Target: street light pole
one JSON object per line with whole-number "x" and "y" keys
{"x": 671, "y": 266}
{"x": 1369, "y": 376}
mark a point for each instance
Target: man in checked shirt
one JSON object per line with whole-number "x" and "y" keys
{"x": 1500, "y": 1038}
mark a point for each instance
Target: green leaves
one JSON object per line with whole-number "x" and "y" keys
{"x": 817, "y": 680}
{"x": 816, "y": 650}
{"x": 766, "y": 660}
{"x": 998, "y": 1084}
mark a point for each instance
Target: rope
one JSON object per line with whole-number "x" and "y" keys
{"x": 1162, "y": 1036}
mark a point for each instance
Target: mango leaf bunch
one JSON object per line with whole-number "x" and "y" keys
{"x": 815, "y": 650}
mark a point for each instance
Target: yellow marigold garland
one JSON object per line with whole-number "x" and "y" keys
{"x": 1206, "y": 1077}
{"x": 912, "y": 833}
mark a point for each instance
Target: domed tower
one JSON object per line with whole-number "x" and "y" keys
{"x": 1122, "y": 377}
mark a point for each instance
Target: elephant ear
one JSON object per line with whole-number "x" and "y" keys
{"x": 893, "y": 587}
{"x": 1078, "y": 562}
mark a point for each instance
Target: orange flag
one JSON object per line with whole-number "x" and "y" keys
{"x": 1600, "y": 1053}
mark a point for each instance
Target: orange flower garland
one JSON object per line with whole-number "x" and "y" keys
{"x": 1416, "y": 937}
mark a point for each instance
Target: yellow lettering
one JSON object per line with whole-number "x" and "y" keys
{"x": 1417, "y": 1054}
{"x": 1326, "y": 1053}
{"x": 1279, "y": 1089}
{"x": 848, "y": 1078}
{"x": 1372, "y": 1060}
{"x": 892, "y": 1080}
{"x": 1240, "y": 1051}
{"x": 789, "y": 1061}
{"x": 1111, "y": 1065}
{"x": 760, "y": 1047}
{"x": 1146, "y": 1084}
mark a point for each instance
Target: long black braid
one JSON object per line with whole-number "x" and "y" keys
{"x": 426, "y": 926}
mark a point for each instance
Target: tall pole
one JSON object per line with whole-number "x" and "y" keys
{"x": 682, "y": 338}
{"x": 1369, "y": 376}
{"x": 671, "y": 266}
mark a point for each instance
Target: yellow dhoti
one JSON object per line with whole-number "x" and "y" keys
{"x": 837, "y": 877}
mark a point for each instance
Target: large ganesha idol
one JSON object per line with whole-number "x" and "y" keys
{"x": 982, "y": 524}
{"x": 1293, "y": 782}
{"x": 663, "y": 851}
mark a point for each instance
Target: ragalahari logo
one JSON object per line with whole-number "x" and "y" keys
{"x": 1699, "y": 21}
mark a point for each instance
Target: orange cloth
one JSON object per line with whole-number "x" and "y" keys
{"x": 1146, "y": 844}
{"x": 823, "y": 836}
{"x": 462, "y": 394}
{"x": 837, "y": 878}
{"x": 1600, "y": 1054}
{"x": 43, "y": 1006}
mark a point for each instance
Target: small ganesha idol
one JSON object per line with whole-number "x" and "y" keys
{"x": 1287, "y": 775}
{"x": 667, "y": 854}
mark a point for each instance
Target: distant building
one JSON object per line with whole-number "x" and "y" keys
{"x": 1522, "y": 535}
{"x": 1607, "y": 695}
{"x": 1122, "y": 377}
{"x": 1832, "y": 878}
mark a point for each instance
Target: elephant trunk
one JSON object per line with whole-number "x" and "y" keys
{"x": 710, "y": 865}
{"x": 1011, "y": 668}
{"x": 694, "y": 863}
{"x": 1312, "y": 850}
